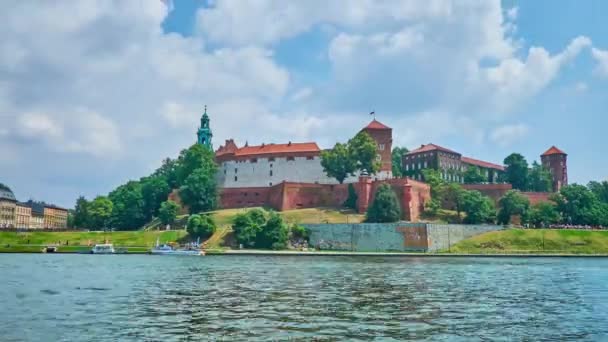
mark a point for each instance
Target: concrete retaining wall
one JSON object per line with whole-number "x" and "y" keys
{"x": 391, "y": 237}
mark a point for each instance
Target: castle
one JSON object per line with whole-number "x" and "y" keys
{"x": 290, "y": 175}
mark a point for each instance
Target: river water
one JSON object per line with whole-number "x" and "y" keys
{"x": 155, "y": 298}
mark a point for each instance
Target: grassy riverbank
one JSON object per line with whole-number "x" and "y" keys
{"x": 531, "y": 241}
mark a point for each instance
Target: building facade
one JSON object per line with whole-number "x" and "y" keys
{"x": 8, "y": 207}
{"x": 23, "y": 216}
{"x": 37, "y": 219}
{"x": 55, "y": 217}
{"x": 450, "y": 164}
{"x": 556, "y": 161}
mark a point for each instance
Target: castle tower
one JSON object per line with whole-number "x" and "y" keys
{"x": 383, "y": 135}
{"x": 204, "y": 132}
{"x": 556, "y": 161}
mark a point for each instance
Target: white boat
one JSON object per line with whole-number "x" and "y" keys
{"x": 106, "y": 248}
{"x": 193, "y": 250}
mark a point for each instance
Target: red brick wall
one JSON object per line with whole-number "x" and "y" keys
{"x": 537, "y": 197}
{"x": 244, "y": 197}
{"x": 494, "y": 191}
{"x": 385, "y": 137}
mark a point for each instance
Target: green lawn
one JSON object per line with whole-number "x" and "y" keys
{"x": 119, "y": 239}
{"x": 311, "y": 215}
{"x": 536, "y": 241}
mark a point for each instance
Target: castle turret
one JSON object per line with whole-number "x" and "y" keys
{"x": 204, "y": 132}
{"x": 556, "y": 161}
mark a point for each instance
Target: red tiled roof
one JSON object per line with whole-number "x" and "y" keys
{"x": 553, "y": 150}
{"x": 431, "y": 147}
{"x": 277, "y": 149}
{"x": 482, "y": 163}
{"x": 375, "y": 124}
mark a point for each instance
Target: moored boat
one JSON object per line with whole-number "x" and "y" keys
{"x": 106, "y": 248}
{"x": 165, "y": 249}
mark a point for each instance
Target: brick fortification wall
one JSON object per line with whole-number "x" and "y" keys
{"x": 494, "y": 191}
{"x": 412, "y": 196}
{"x": 391, "y": 237}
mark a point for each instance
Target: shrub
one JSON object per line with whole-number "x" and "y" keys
{"x": 260, "y": 229}
{"x": 385, "y": 207}
{"x": 247, "y": 225}
{"x": 202, "y": 226}
{"x": 351, "y": 201}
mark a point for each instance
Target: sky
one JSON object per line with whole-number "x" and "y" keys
{"x": 95, "y": 93}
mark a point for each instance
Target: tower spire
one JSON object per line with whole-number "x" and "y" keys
{"x": 204, "y": 132}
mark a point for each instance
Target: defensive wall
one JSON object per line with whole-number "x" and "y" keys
{"x": 392, "y": 237}
{"x": 496, "y": 191}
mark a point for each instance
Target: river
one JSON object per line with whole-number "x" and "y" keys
{"x": 155, "y": 298}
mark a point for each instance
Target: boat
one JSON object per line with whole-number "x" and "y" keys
{"x": 106, "y": 248}
{"x": 50, "y": 249}
{"x": 165, "y": 249}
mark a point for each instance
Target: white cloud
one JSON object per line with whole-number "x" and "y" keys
{"x": 508, "y": 134}
{"x": 34, "y": 125}
{"x": 302, "y": 94}
{"x": 601, "y": 56}
{"x": 512, "y": 13}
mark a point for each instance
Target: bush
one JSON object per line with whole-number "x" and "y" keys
{"x": 299, "y": 232}
{"x": 202, "y": 226}
{"x": 247, "y": 225}
{"x": 168, "y": 212}
{"x": 260, "y": 229}
{"x": 274, "y": 233}
{"x": 385, "y": 207}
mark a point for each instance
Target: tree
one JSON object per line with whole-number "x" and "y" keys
{"x": 513, "y": 203}
{"x": 200, "y": 226}
{"x": 274, "y": 233}
{"x": 128, "y": 209}
{"x": 478, "y": 208}
{"x": 385, "y": 207}
{"x": 363, "y": 151}
{"x": 454, "y": 194}
{"x": 600, "y": 189}
{"x": 199, "y": 191}
{"x": 437, "y": 184}
{"x": 168, "y": 212}
{"x": 396, "y": 157}
{"x": 544, "y": 214}
{"x": 337, "y": 162}
{"x": 539, "y": 179}
{"x": 516, "y": 171}
{"x": 168, "y": 171}
{"x": 351, "y": 201}
{"x": 473, "y": 176}
{"x": 81, "y": 213}
{"x": 154, "y": 191}
{"x": 247, "y": 225}
{"x": 576, "y": 204}
{"x": 99, "y": 211}
{"x": 191, "y": 159}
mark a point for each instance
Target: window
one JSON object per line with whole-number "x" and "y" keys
{"x": 407, "y": 167}
{"x": 310, "y": 158}
{"x": 381, "y": 147}
{"x": 270, "y": 173}
{"x": 224, "y": 171}
{"x": 425, "y": 164}
{"x": 236, "y": 178}
{"x": 236, "y": 170}
{"x": 271, "y": 166}
{"x": 270, "y": 184}
{"x": 379, "y": 158}
{"x": 419, "y": 165}
{"x": 290, "y": 158}
{"x": 271, "y": 159}
{"x": 254, "y": 160}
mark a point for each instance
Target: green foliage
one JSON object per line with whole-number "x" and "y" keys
{"x": 191, "y": 159}
{"x": 396, "y": 157}
{"x": 544, "y": 214}
{"x": 432, "y": 207}
{"x": 200, "y": 226}
{"x": 337, "y": 162}
{"x": 351, "y": 201}
{"x": 168, "y": 171}
{"x": 478, "y": 208}
{"x": 81, "y": 213}
{"x": 299, "y": 232}
{"x": 454, "y": 193}
{"x": 516, "y": 171}
{"x": 128, "y": 207}
{"x": 473, "y": 175}
{"x": 539, "y": 179}
{"x": 199, "y": 191}
{"x": 274, "y": 233}
{"x": 247, "y": 225}
{"x": 600, "y": 190}
{"x": 168, "y": 212}
{"x": 260, "y": 229}
{"x": 363, "y": 151}
{"x": 513, "y": 203}
{"x": 99, "y": 211}
{"x": 577, "y": 204}
{"x": 433, "y": 178}
{"x": 154, "y": 191}
{"x": 385, "y": 207}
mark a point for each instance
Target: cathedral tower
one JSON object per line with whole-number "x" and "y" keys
{"x": 204, "y": 132}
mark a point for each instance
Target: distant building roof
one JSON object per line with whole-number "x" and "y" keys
{"x": 6, "y": 193}
{"x": 375, "y": 124}
{"x": 52, "y": 206}
{"x": 37, "y": 207}
{"x": 268, "y": 149}
{"x": 482, "y": 163}
{"x": 553, "y": 150}
{"x": 431, "y": 147}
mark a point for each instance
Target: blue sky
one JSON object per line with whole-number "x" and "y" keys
{"x": 95, "y": 93}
